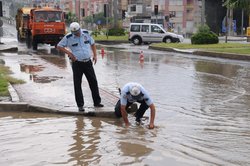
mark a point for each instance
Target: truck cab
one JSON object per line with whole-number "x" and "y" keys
{"x": 46, "y": 26}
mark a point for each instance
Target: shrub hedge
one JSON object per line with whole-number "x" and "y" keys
{"x": 204, "y": 36}
{"x": 116, "y": 32}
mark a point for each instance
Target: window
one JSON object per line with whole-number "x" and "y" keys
{"x": 179, "y": 14}
{"x": 133, "y": 8}
{"x": 176, "y": 2}
{"x": 145, "y": 28}
{"x": 43, "y": 16}
{"x": 172, "y": 14}
{"x": 155, "y": 28}
{"x": 135, "y": 28}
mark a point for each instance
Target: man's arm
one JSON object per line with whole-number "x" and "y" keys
{"x": 70, "y": 55}
{"x": 93, "y": 47}
{"x": 152, "y": 116}
{"x": 124, "y": 115}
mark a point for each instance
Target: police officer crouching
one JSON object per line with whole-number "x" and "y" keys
{"x": 80, "y": 45}
{"x": 135, "y": 92}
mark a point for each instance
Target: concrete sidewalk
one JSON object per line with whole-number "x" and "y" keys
{"x": 56, "y": 96}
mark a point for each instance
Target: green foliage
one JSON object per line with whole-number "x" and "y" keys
{"x": 98, "y": 19}
{"x": 241, "y": 4}
{"x": 116, "y": 32}
{"x": 204, "y": 36}
{"x": 3, "y": 86}
{"x": 203, "y": 29}
{"x": 71, "y": 17}
{"x": 5, "y": 79}
{"x": 95, "y": 33}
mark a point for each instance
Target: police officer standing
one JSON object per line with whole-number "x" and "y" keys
{"x": 80, "y": 45}
{"x": 135, "y": 92}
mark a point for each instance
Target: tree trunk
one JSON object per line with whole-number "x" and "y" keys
{"x": 115, "y": 10}
{"x": 231, "y": 30}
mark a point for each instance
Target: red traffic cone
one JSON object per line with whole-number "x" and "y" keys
{"x": 141, "y": 56}
{"x": 102, "y": 52}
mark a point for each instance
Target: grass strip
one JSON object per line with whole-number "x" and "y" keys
{"x": 5, "y": 78}
{"x": 237, "y": 48}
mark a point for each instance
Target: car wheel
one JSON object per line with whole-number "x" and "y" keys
{"x": 137, "y": 41}
{"x": 168, "y": 40}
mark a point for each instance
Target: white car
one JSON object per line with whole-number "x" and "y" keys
{"x": 149, "y": 33}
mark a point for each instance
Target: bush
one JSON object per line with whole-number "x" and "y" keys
{"x": 203, "y": 29}
{"x": 204, "y": 36}
{"x": 116, "y": 32}
{"x": 95, "y": 33}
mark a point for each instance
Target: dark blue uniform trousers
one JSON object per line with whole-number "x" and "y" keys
{"x": 139, "y": 113}
{"x": 86, "y": 68}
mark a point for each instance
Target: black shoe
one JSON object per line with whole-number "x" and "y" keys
{"x": 138, "y": 121}
{"x": 81, "y": 109}
{"x": 98, "y": 105}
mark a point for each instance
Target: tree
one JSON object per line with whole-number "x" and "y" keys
{"x": 98, "y": 19}
{"x": 242, "y": 4}
{"x": 71, "y": 17}
{"x": 237, "y": 3}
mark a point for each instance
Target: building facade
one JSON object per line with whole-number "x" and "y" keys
{"x": 180, "y": 16}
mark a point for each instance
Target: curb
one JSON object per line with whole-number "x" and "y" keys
{"x": 11, "y": 49}
{"x": 223, "y": 55}
{"x": 111, "y": 42}
{"x": 13, "y": 94}
{"x": 24, "y": 107}
{"x": 16, "y": 106}
{"x": 205, "y": 53}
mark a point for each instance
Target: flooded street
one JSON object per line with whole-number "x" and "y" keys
{"x": 202, "y": 111}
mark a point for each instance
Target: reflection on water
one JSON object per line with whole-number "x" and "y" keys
{"x": 202, "y": 105}
{"x": 31, "y": 69}
{"x": 53, "y": 56}
{"x": 216, "y": 68}
{"x": 68, "y": 141}
{"x": 86, "y": 141}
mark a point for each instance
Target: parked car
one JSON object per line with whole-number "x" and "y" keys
{"x": 150, "y": 33}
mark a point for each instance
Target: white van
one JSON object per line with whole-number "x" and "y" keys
{"x": 149, "y": 33}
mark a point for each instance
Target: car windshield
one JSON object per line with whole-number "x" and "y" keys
{"x": 45, "y": 16}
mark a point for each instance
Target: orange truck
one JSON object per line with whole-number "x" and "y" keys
{"x": 46, "y": 25}
{"x": 22, "y": 17}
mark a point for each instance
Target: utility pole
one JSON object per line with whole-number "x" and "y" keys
{"x": 242, "y": 21}
{"x": 203, "y": 12}
{"x": 226, "y": 22}
{"x": 79, "y": 12}
{"x": 115, "y": 9}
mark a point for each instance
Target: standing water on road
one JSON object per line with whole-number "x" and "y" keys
{"x": 202, "y": 115}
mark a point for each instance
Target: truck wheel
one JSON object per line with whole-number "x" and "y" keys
{"x": 18, "y": 36}
{"x": 137, "y": 40}
{"x": 167, "y": 40}
{"x": 34, "y": 45}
